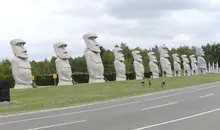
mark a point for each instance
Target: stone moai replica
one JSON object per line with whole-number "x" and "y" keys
{"x": 120, "y": 67}
{"x": 164, "y": 61}
{"x": 201, "y": 63}
{"x": 193, "y": 65}
{"x": 138, "y": 65}
{"x": 63, "y": 67}
{"x": 21, "y": 68}
{"x": 176, "y": 65}
{"x": 186, "y": 66}
{"x": 93, "y": 59}
{"x": 153, "y": 64}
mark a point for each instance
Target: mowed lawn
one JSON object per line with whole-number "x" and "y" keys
{"x": 55, "y": 97}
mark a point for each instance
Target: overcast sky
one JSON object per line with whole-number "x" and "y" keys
{"x": 139, "y": 23}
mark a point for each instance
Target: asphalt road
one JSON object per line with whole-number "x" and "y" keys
{"x": 196, "y": 108}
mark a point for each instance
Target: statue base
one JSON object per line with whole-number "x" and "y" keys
{"x": 19, "y": 86}
{"x": 65, "y": 83}
{"x": 139, "y": 78}
{"x": 91, "y": 80}
{"x": 120, "y": 79}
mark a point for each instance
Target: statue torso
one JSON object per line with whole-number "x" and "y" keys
{"x": 165, "y": 64}
{"x": 65, "y": 69}
{"x": 201, "y": 63}
{"x": 23, "y": 69}
{"x": 177, "y": 66}
{"x": 95, "y": 62}
{"x": 194, "y": 66}
{"x": 186, "y": 66}
{"x": 139, "y": 66}
{"x": 153, "y": 67}
{"x": 120, "y": 68}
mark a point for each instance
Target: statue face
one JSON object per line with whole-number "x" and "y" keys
{"x": 18, "y": 48}
{"x": 118, "y": 53}
{"x": 91, "y": 44}
{"x": 199, "y": 52}
{"x": 60, "y": 50}
{"x": 176, "y": 58}
{"x": 192, "y": 58}
{"x": 152, "y": 57}
{"x": 163, "y": 51}
{"x": 185, "y": 59}
{"x": 137, "y": 56}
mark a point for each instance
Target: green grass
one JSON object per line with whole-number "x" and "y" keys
{"x": 55, "y": 97}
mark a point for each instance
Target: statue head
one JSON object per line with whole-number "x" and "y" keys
{"x": 18, "y": 48}
{"x": 176, "y": 58}
{"x": 118, "y": 53}
{"x": 137, "y": 56}
{"x": 91, "y": 44}
{"x": 199, "y": 51}
{"x": 60, "y": 50}
{"x": 193, "y": 58}
{"x": 152, "y": 57}
{"x": 185, "y": 59}
{"x": 163, "y": 51}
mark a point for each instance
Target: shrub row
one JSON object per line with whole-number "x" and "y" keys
{"x": 46, "y": 80}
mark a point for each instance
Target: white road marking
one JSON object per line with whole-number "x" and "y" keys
{"x": 163, "y": 105}
{"x": 112, "y": 100}
{"x": 176, "y": 120}
{"x": 52, "y": 126}
{"x": 102, "y": 108}
{"x": 208, "y": 95}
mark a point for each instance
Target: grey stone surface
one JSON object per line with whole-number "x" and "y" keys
{"x": 153, "y": 64}
{"x": 202, "y": 66}
{"x": 176, "y": 65}
{"x": 164, "y": 61}
{"x": 193, "y": 64}
{"x": 93, "y": 59}
{"x": 63, "y": 67}
{"x": 120, "y": 67}
{"x": 186, "y": 66}
{"x": 21, "y": 68}
{"x": 138, "y": 65}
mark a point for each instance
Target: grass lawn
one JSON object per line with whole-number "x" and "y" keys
{"x": 55, "y": 97}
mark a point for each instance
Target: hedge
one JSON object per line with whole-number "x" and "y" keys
{"x": 45, "y": 80}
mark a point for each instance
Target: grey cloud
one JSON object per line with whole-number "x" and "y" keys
{"x": 141, "y": 9}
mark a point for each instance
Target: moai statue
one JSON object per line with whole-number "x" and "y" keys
{"x": 120, "y": 67}
{"x": 164, "y": 61}
{"x": 138, "y": 65}
{"x": 153, "y": 65}
{"x": 93, "y": 58}
{"x": 193, "y": 64}
{"x": 186, "y": 66}
{"x": 202, "y": 67}
{"x": 21, "y": 68}
{"x": 176, "y": 65}
{"x": 63, "y": 67}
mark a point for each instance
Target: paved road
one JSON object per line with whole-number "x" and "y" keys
{"x": 196, "y": 108}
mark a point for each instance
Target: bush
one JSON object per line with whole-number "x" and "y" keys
{"x": 45, "y": 80}
{"x": 7, "y": 78}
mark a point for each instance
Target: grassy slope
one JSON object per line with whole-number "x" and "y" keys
{"x": 53, "y": 97}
